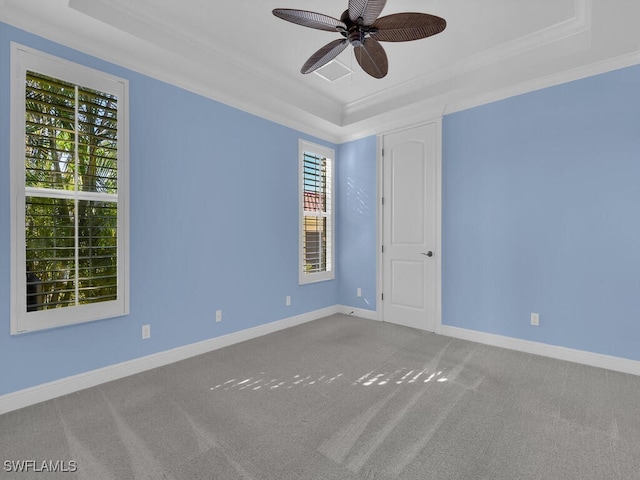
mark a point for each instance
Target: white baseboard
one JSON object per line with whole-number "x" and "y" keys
{"x": 561, "y": 353}
{"x": 47, "y": 391}
{"x": 358, "y": 312}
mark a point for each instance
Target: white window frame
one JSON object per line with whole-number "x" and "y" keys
{"x": 328, "y": 153}
{"x": 23, "y": 59}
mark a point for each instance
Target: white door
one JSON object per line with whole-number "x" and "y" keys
{"x": 410, "y": 256}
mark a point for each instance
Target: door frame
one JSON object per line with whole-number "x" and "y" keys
{"x": 380, "y": 219}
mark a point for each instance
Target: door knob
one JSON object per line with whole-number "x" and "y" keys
{"x": 428, "y": 254}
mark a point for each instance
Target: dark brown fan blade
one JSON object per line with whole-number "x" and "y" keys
{"x": 404, "y": 27}
{"x": 372, "y": 58}
{"x": 309, "y": 19}
{"x": 324, "y": 55}
{"x": 369, "y": 10}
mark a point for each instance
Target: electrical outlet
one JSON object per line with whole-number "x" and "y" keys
{"x": 146, "y": 331}
{"x": 218, "y": 315}
{"x": 535, "y": 319}
{"x": 287, "y": 300}
{"x": 359, "y": 292}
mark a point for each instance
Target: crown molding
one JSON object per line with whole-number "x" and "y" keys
{"x": 577, "y": 24}
{"x": 584, "y": 71}
{"x": 287, "y": 104}
{"x": 157, "y": 51}
{"x": 454, "y": 101}
{"x": 233, "y": 79}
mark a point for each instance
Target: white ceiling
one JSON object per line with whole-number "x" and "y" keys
{"x": 237, "y": 52}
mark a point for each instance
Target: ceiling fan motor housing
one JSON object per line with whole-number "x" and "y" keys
{"x": 356, "y": 32}
{"x": 356, "y": 36}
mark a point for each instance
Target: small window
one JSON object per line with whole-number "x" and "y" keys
{"x": 316, "y": 261}
{"x": 69, "y": 178}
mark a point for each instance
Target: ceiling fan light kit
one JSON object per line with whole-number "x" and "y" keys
{"x": 361, "y": 28}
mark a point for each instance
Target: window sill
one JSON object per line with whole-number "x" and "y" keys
{"x": 307, "y": 278}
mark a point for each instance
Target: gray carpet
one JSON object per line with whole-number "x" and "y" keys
{"x": 341, "y": 398}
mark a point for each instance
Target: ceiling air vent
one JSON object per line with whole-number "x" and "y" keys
{"x": 333, "y": 71}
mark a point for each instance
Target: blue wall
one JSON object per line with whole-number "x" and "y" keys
{"x": 540, "y": 213}
{"x": 541, "y": 202}
{"x": 357, "y": 216}
{"x": 214, "y": 205}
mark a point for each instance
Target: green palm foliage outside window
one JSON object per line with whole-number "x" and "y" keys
{"x": 71, "y": 208}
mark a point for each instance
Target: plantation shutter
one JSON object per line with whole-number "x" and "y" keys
{"x": 71, "y": 198}
{"x": 317, "y": 215}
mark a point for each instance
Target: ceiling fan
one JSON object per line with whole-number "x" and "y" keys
{"x": 361, "y": 27}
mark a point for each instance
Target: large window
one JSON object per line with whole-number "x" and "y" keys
{"x": 316, "y": 213}
{"x": 69, "y": 183}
